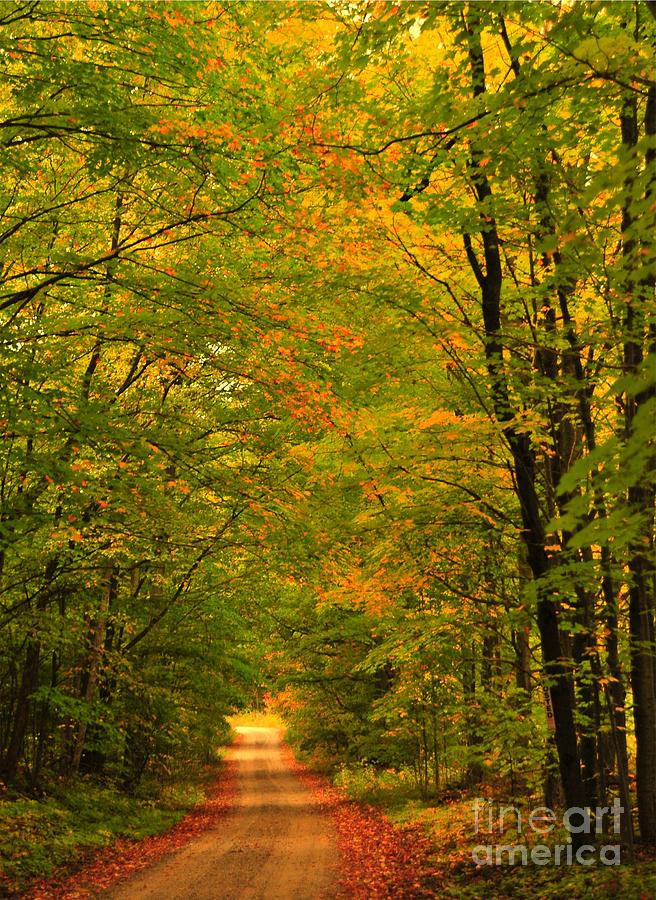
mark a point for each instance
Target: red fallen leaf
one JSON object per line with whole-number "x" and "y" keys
{"x": 124, "y": 857}
{"x": 379, "y": 861}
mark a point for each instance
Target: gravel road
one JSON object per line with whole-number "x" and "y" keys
{"x": 276, "y": 844}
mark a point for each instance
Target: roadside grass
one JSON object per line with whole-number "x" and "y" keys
{"x": 449, "y": 824}
{"x": 393, "y": 790}
{"x": 76, "y": 818}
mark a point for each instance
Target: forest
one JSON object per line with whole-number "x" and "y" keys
{"x": 328, "y": 388}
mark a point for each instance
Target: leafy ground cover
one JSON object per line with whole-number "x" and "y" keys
{"x": 392, "y": 844}
{"x": 379, "y": 861}
{"x": 77, "y": 841}
{"x": 448, "y": 825}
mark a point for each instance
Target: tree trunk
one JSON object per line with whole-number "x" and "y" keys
{"x": 93, "y": 666}
{"x": 28, "y": 684}
{"x": 639, "y": 282}
{"x": 490, "y": 279}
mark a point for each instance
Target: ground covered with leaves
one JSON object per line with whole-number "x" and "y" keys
{"x": 392, "y": 845}
{"x": 446, "y": 827}
{"x": 88, "y": 839}
{"x": 379, "y": 860}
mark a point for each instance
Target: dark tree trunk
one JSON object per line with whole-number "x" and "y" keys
{"x": 489, "y": 277}
{"x": 28, "y": 684}
{"x": 639, "y": 284}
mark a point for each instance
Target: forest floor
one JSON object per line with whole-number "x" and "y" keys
{"x": 275, "y": 843}
{"x": 271, "y": 828}
{"x": 457, "y": 838}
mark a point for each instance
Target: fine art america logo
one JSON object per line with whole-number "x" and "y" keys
{"x": 497, "y": 819}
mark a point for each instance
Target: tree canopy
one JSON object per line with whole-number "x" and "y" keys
{"x": 328, "y": 370}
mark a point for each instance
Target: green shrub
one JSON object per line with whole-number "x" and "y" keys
{"x": 36, "y": 836}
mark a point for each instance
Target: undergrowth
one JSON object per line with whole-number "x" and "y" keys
{"x": 449, "y": 824}
{"x": 75, "y": 818}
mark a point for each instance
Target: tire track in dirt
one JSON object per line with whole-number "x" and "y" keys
{"x": 277, "y": 843}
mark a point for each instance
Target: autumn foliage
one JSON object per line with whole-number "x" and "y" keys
{"x": 327, "y": 370}
{"x": 378, "y": 861}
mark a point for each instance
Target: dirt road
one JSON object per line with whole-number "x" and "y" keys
{"x": 277, "y": 844}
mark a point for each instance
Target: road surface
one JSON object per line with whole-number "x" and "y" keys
{"x": 276, "y": 844}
